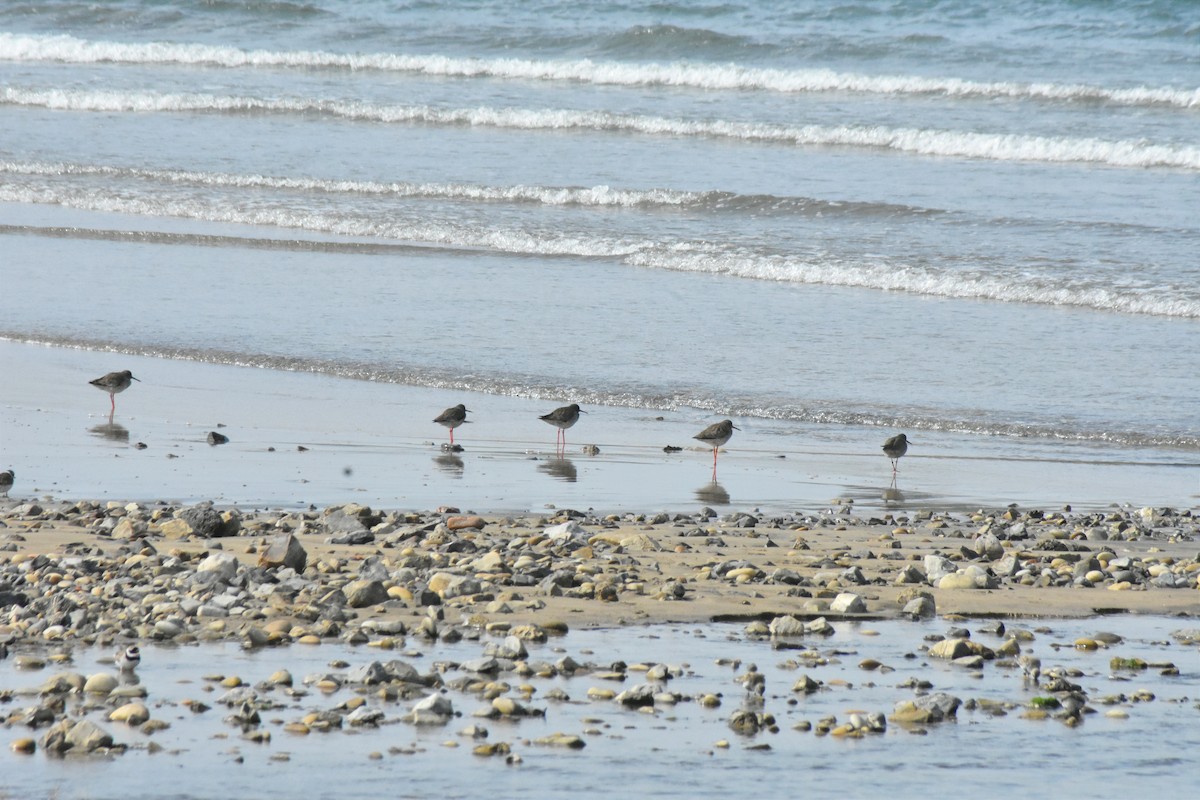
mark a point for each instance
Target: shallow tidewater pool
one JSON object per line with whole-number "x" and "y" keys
{"x": 668, "y": 752}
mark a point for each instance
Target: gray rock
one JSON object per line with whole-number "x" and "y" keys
{"x": 950, "y": 649}
{"x": 1007, "y": 567}
{"x": 989, "y": 547}
{"x": 373, "y": 569}
{"x": 284, "y": 550}
{"x": 511, "y": 648}
{"x": 385, "y": 627}
{"x": 819, "y": 627}
{"x": 745, "y": 722}
{"x": 806, "y": 685}
{"x": 941, "y": 704}
{"x": 10, "y": 598}
{"x": 565, "y": 532}
{"x": 86, "y": 735}
{"x": 362, "y": 593}
{"x": 204, "y": 521}
{"x": 910, "y": 574}
{"x": 485, "y": 665}
{"x": 853, "y": 576}
{"x": 937, "y": 567}
{"x": 363, "y": 536}
{"x": 875, "y": 722}
{"x": 224, "y": 565}
{"x": 848, "y": 603}
{"x": 403, "y": 672}
{"x": 461, "y": 586}
{"x": 725, "y": 567}
{"x": 660, "y": 673}
{"x": 365, "y": 715}
{"x": 569, "y": 666}
{"x": 336, "y": 520}
{"x": 637, "y": 696}
{"x": 920, "y": 608}
{"x": 369, "y": 674}
{"x": 787, "y": 577}
{"x": 786, "y": 626}
{"x": 433, "y": 710}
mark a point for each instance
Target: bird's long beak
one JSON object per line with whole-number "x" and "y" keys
{"x": 139, "y": 380}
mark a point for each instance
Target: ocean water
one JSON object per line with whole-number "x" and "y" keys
{"x": 976, "y": 223}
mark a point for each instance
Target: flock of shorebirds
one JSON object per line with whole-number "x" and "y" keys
{"x": 715, "y": 435}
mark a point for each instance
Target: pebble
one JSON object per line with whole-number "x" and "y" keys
{"x": 101, "y": 683}
{"x": 132, "y": 714}
{"x": 24, "y": 745}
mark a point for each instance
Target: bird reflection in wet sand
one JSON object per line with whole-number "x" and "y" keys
{"x": 561, "y": 468}
{"x": 111, "y": 430}
{"x": 892, "y": 493}
{"x": 713, "y": 493}
{"x": 450, "y": 464}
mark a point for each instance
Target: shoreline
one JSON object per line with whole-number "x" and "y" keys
{"x": 298, "y": 439}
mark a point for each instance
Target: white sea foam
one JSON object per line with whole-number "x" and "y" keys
{"x": 684, "y": 256}
{"x": 545, "y": 195}
{"x": 941, "y": 143}
{"x": 15, "y": 47}
{"x": 597, "y": 196}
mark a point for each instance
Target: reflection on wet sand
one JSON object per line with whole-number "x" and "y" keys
{"x": 561, "y": 468}
{"x": 892, "y": 493}
{"x": 713, "y": 493}
{"x": 111, "y": 430}
{"x": 450, "y": 464}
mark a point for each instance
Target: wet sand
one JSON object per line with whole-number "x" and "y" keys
{"x": 298, "y": 439}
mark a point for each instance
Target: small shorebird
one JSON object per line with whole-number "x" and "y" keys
{"x": 894, "y": 448}
{"x": 128, "y": 659}
{"x": 452, "y": 418}
{"x": 1031, "y": 668}
{"x": 6, "y": 481}
{"x": 716, "y": 435}
{"x": 563, "y": 418}
{"x": 114, "y": 383}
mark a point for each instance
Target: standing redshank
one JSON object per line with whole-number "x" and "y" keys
{"x": 716, "y": 435}
{"x": 452, "y": 418}
{"x": 563, "y": 418}
{"x": 114, "y": 383}
{"x": 894, "y": 448}
{"x": 6, "y": 481}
